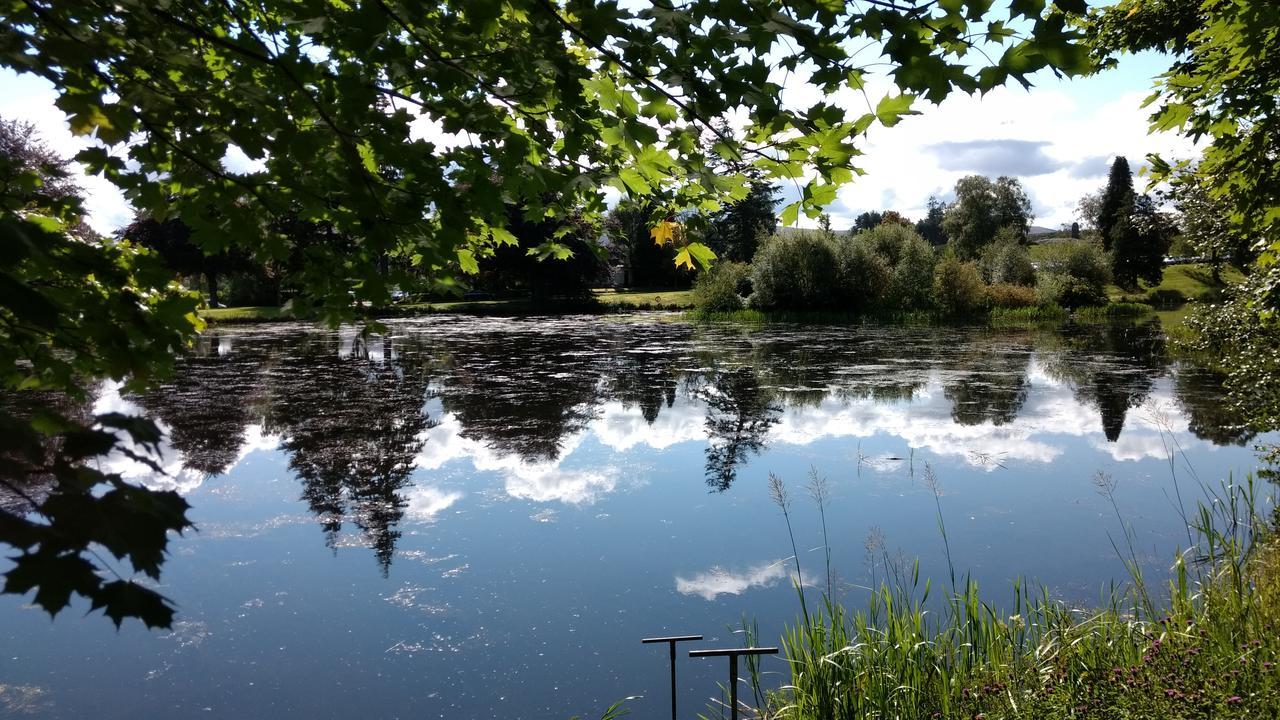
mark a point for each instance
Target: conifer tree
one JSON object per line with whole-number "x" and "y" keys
{"x": 1117, "y": 200}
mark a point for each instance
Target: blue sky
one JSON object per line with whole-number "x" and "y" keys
{"x": 1058, "y": 138}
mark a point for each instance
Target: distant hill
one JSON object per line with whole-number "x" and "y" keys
{"x": 1038, "y": 230}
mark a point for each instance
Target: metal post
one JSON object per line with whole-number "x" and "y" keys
{"x": 733, "y": 654}
{"x": 671, "y": 645}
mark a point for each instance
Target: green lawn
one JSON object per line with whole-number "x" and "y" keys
{"x": 607, "y": 299}
{"x": 647, "y": 299}
{"x": 1192, "y": 280}
{"x": 259, "y": 313}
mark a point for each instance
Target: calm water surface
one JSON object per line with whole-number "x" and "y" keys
{"x": 476, "y": 517}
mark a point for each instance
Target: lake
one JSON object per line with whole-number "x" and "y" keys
{"x": 481, "y": 517}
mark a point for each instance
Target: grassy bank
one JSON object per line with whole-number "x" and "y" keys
{"x": 1181, "y": 283}
{"x": 601, "y": 301}
{"x": 1205, "y": 644}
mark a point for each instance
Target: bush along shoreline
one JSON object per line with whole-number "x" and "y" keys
{"x": 891, "y": 273}
{"x": 1203, "y": 643}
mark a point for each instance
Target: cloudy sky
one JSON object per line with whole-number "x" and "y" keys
{"x": 1058, "y": 138}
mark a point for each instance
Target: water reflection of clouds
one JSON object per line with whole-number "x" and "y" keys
{"x": 1152, "y": 431}
{"x": 622, "y": 428}
{"x": 717, "y": 581}
{"x": 1051, "y": 413}
{"x": 926, "y": 422}
{"x": 534, "y": 480}
{"x": 174, "y": 474}
{"x": 425, "y": 503}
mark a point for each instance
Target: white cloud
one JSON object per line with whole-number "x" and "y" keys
{"x": 904, "y": 164}
{"x": 30, "y": 98}
{"x": 425, "y": 503}
{"x": 717, "y": 581}
{"x": 624, "y": 428}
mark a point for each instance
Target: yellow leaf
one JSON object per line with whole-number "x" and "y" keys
{"x": 666, "y": 232}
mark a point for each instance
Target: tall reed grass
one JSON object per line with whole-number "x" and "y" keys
{"x": 1202, "y": 644}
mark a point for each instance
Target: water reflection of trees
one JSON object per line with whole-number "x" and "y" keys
{"x": 522, "y": 393}
{"x": 1200, "y": 393}
{"x": 988, "y": 383}
{"x": 1111, "y": 367}
{"x": 352, "y": 427}
{"x": 739, "y": 414}
{"x": 352, "y": 418}
{"x": 208, "y": 404}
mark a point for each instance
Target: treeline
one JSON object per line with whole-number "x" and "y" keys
{"x": 962, "y": 259}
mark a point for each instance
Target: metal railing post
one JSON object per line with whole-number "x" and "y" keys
{"x": 733, "y": 654}
{"x": 671, "y": 645}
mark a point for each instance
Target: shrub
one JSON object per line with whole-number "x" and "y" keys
{"x": 1006, "y": 295}
{"x": 718, "y": 290}
{"x": 1074, "y": 274}
{"x": 912, "y": 278}
{"x": 1166, "y": 298}
{"x": 1056, "y": 288}
{"x": 793, "y": 272}
{"x": 1083, "y": 260}
{"x": 1008, "y": 262}
{"x": 957, "y": 287}
{"x": 862, "y": 275}
{"x": 888, "y": 240}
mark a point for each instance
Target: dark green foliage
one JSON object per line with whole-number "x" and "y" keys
{"x": 1139, "y": 243}
{"x": 1007, "y": 261}
{"x": 911, "y": 284}
{"x": 73, "y": 307}
{"x": 866, "y": 221}
{"x": 1243, "y": 346}
{"x": 1073, "y": 274}
{"x": 888, "y": 240}
{"x": 171, "y": 240}
{"x": 735, "y": 232}
{"x": 572, "y": 265}
{"x": 862, "y": 274}
{"x": 930, "y": 228}
{"x": 1068, "y": 291}
{"x": 981, "y": 209}
{"x": 1116, "y": 204}
{"x": 1221, "y": 87}
{"x": 648, "y": 263}
{"x": 1206, "y": 225}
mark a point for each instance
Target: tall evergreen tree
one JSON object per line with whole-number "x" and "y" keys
{"x": 735, "y": 231}
{"x": 930, "y": 228}
{"x": 1117, "y": 200}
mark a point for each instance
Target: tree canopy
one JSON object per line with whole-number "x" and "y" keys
{"x": 1221, "y": 86}
{"x": 982, "y": 209}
